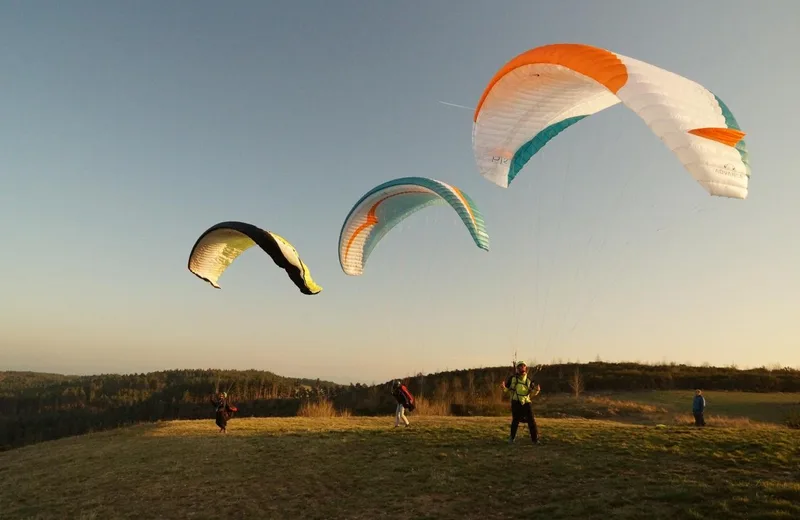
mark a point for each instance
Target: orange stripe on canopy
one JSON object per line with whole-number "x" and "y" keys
{"x": 599, "y": 64}
{"x": 728, "y": 136}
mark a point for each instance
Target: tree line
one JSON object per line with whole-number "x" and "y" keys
{"x": 39, "y": 407}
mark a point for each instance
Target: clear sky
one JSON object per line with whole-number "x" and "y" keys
{"x": 128, "y": 128}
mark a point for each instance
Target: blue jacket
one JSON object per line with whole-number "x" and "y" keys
{"x": 698, "y": 404}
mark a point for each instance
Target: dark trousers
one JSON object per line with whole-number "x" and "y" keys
{"x": 523, "y": 413}
{"x": 698, "y": 419}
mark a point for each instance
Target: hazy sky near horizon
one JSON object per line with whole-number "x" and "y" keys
{"x": 127, "y": 129}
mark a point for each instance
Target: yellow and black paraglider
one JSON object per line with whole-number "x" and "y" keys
{"x": 222, "y": 243}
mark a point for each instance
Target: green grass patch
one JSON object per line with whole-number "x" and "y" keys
{"x": 755, "y": 407}
{"x": 652, "y": 407}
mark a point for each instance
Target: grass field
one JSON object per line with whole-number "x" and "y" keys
{"x": 674, "y": 406}
{"x": 671, "y": 407}
{"x": 441, "y": 467}
{"x": 757, "y": 407}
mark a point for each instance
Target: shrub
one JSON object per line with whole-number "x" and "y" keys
{"x": 323, "y": 408}
{"x": 793, "y": 419}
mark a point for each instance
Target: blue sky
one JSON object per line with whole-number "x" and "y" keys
{"x": 128, "y": 128}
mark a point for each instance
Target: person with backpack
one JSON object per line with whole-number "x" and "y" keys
{"x": 404, "y": 401}
{"x": 522, "y": 388}
{"x": 223, "y": 411}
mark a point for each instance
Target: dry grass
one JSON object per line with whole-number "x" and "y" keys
{"x": 440, "y": 467}
{"x": 428, "y": 407}
{"x": 321, "y": 408}
{"x": 721, "y": 421}
{"x": 617, "y": 407}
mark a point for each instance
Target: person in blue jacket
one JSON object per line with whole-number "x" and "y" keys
{"x": 698, "y": 407}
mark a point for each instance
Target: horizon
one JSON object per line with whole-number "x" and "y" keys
{"x": 128, "y": 131}
{"x": 345, "y": 381}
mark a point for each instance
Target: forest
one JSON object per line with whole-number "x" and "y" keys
{"x": 36, "y": 407}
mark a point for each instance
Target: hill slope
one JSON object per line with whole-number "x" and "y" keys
{"x": 439, "y": 468}
{"x": 40, "y": 407}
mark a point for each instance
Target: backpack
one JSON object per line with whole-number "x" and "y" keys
{"x": 409, "y": 404}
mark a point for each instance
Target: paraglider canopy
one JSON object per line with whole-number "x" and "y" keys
{"x": 222, "y": 243}
{"x": 542, "y": 92}
{"x": 386, "y": 205}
